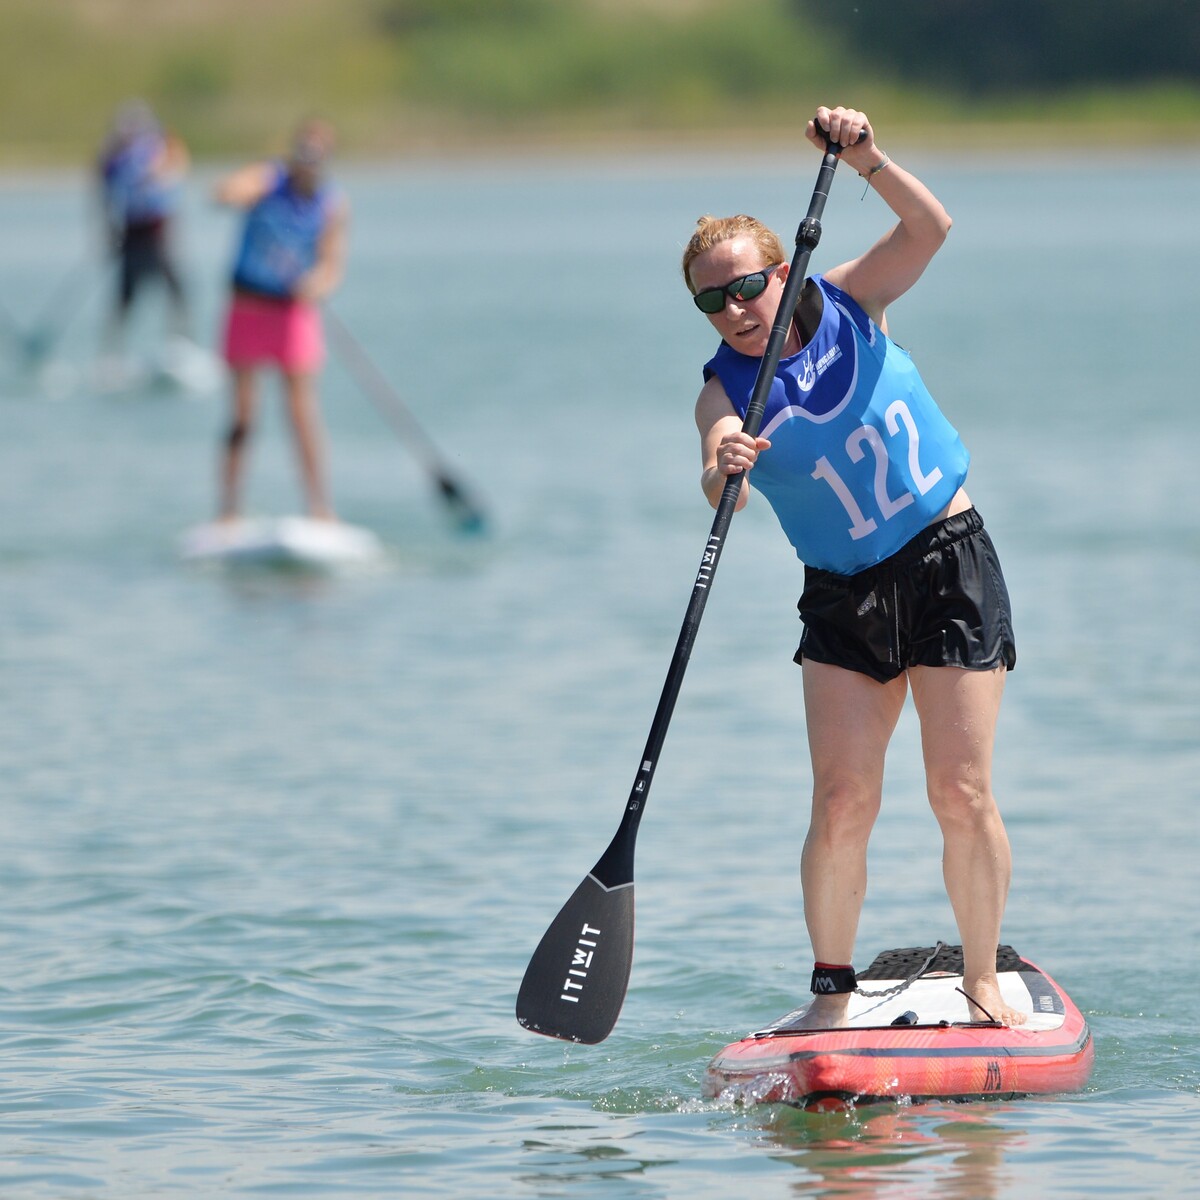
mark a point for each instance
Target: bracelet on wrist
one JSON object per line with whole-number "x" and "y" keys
{"x": 868, "y": 175}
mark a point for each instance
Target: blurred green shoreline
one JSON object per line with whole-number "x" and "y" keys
{"x": 464, "y": 78}
{"x": 966, "y": 140}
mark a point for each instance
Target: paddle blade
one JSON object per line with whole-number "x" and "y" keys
{"x": 576, "y": 980}
{"x": 36, "y": 346}
{"x": 467, "y": 515}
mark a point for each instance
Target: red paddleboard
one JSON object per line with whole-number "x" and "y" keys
{"x": 910, "y": 1036}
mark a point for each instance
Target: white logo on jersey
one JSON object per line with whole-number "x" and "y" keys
{"x": 807, "y": 380}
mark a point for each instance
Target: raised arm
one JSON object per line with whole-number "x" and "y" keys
{"x": 891, "y": 266}
{"x": 246, "y": 186}
{"x": 174, "y": 161}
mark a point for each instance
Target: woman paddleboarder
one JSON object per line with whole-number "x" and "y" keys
{"x": 290, "y": 257}
{"x": 902, "y": 586}
{"x": 141, "y": 170}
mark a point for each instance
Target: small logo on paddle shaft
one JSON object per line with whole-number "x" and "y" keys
{"x": 708, "y": 562}
{"x": 581, "y": 963}
{"x": 640, "y": 786}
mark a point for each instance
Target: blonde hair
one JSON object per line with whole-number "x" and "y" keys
{"x": 712, "y": 230}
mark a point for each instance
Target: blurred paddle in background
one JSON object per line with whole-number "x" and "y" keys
{"x": 34, "y": 344}
{"x": 466, "y": 512}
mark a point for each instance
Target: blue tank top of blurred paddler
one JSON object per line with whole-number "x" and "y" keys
{"x": 280, "y": 238}
{"x": 134, "y": 192}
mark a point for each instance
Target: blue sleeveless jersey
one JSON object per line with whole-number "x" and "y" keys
{"x": 280, "y": 238}
{"x": 134, "y": 195}
{"x": 861, "y": 457}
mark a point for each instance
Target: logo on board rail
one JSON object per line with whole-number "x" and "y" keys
{"x": 992, "y": 1081}
{"x": 581, "y": 963}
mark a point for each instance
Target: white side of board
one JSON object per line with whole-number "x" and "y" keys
{"x": 933, "y": 998}
{"x": 281, "y": 542}
{"x": 179, "y": 365}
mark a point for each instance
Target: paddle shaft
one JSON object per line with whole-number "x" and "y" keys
{"x": 64, "y": 302}
{"x": 376, "y": 386}
{"x": 379, "y": 389}
{"x": 615, "y": 867}
{"x": 575, "y": 983}
{"x": 56, "y": 313}
{"x": 11, "y": 326}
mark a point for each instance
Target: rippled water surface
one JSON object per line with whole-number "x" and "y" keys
{"x": 276, "y": 849}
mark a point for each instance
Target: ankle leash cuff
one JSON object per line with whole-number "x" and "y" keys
{"x": 832, "y": 981}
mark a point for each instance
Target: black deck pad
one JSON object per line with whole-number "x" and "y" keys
{"x": 900, "y": 964}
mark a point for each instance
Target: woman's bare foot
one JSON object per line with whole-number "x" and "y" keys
{"x": 985, "y": 1003}
{"x": 825, "y": 1012}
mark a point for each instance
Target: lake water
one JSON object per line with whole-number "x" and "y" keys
{"x": 275, "y": 850}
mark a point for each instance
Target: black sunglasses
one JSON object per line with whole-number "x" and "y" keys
{"x": 745, "y": 287}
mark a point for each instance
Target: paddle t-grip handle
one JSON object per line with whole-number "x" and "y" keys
{"x": 830, "y": 146}
{"x": 809, "y": 233}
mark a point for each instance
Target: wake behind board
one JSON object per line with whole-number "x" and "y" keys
{"x": 296, "y": 543}
{"x": 917, "y": 1042}
{"x": 182, "y": 365}
{"x": 179, "y": 366}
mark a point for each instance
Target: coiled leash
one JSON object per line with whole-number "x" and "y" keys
{"x": 839, "y": 981}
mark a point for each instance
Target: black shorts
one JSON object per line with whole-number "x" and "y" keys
{"x": 144, "y": 256}
{"x": 939, "y": 601}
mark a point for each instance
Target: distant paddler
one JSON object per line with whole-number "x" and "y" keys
{"x": 140, "y": 170}
{"x": 290, "y": 257}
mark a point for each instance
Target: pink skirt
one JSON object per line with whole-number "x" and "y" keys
{"x": 284, "y": 332}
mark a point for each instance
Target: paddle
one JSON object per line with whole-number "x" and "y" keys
{"x": 577, "y": 978}
{"x": 465, "y": 511}
{"x": 12, "y": 330}
{"x": 64, "y": 302}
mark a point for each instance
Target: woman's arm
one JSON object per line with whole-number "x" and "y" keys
{"x": 246, "y": 186}
{"x": 327, "y": 272}
{"x": 724, "y": 448}
{"x": 891, "y": 266}
{"x": 174, "y": 161}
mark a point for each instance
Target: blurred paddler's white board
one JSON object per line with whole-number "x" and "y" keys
{"x": 281, "y": 542}
{"x": 179, "y": 366}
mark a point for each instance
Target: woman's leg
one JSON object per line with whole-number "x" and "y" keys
{"x": 850, "y": 719}
{"x": 238, "y": 434}
{"x": 958, "y": 711}
{"x": 305, "y": 413}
